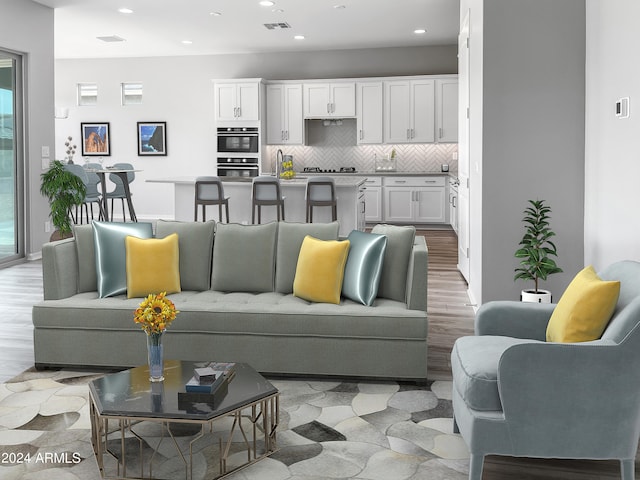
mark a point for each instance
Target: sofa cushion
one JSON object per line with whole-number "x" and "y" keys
{"x": 153, "y": 265}
{"x": 108, "y": 240}
{"x": 85, "y": 248}
{"x": 584, "y": 310}
{"x": 320, "y": 270}
{"x": 244, "y": 257}
{"x": 290, "y": 236}
{"x": 364, "y": 266}
{"x": 393, "y": 283}
{"x": 196, "y": 250}
{"x": 474, "y": 363}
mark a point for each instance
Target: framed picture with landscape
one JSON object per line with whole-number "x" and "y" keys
{"x": 95, "y": 139}
{"x": 152, "y": 138}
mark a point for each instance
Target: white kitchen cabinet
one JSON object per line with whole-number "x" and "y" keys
{"x": 415, "y": 199}
{"x": 326, "y": 100}
{"x": 369, "y": 112}
{"x": 237, "y": 101}
{"x": 373, "y": 199}
{"x": 409, "y": 115}
{"x": 285, "y": 125}
{"x": 446, "y": 110}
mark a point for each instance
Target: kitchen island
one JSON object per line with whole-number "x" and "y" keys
{"x": 349, "y": 191}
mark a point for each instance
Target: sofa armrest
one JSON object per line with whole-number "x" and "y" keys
{"x": 514, "y": 319}
{"x": 60, "y": 269}
{"x": 417, "y": 275}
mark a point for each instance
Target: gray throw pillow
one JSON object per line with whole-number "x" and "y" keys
{"x": 111, "y": 257}
{"x": 364, "y": 266}
{"x": 244, "y": 257}
{"x": 290, "y": 237}
{"x": 393, "y": 283}
{"x": 195, "y": 241}
{"x": 87, "y": 276}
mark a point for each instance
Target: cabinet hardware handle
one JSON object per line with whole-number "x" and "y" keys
{"x": 328, "y": 108}
{"x": 360, "y": 134}
{"x": 399, "y": 181}
{"x": 454, "y": 202}
{"x": 440, "y": 133}
{"x": 287, "y": 135}
{"x": 413, "y": 133}
{"x": 429, "y": 181}
{"x": 281, "y": 134}
{"x": 408, "y": 133}
{"x": 239, "y": 112}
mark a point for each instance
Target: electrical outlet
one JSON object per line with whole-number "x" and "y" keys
{"x": 45, "y": 162}
{"x": 454, "y": 156}
{"x": 45, "y": 151}
{"x": 47, "y": 227}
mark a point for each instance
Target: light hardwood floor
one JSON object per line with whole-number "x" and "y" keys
{"x": 450, "y": 316}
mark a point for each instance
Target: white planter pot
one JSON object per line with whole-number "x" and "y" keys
{"x": 540, "y": 296}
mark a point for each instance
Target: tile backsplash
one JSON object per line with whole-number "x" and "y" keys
{"x": 335, "y": 146}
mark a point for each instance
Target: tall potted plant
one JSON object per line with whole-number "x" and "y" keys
{"x": 64, "y": 190}
{"x": 535, "y": 251}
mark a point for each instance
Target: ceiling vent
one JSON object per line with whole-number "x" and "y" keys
{"x": 111, "y": 39}
{"x": 277, "y": 26}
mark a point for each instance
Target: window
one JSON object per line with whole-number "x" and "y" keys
{"x": 87, "y": 94}
{"x": 131, "y": 93}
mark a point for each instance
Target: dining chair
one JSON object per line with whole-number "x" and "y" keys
{"x": 265, "y": 191}
{"x": 119, "y": 191}
{"x": 209, "y": 191}
{"x": 91, "y": 194}
{"x": 321, "y": 192}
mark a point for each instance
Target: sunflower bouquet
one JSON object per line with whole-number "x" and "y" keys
{"x": 155, "y": 313}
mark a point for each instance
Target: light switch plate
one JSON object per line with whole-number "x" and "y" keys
{"x": 622, "y": 107}
{"x": 45, "y": 151}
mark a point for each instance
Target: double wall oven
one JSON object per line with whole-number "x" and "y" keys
{"x": 238, "y": 152}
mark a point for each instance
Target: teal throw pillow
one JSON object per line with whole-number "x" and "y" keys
{"x": 364, "y": 266}
{"x": 393, "y": 283}
{"x": 111, "y": 256}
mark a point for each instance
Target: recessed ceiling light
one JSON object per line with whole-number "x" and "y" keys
{"x": 267, "y": 3}
{"x": 187, "y": 42}
{"x": 339, "y": 7}
{"x": 125, "y": 10}
{"x": 277, "y": 10}
{"x": 419, "y": 31}
{"x": 299, "y": 37}
{"x": 215, "y": 14}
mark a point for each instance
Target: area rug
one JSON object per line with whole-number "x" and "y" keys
{"x": 328, "y": 429}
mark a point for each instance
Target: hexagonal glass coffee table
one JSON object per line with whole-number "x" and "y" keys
{"x": 140, "y": 429}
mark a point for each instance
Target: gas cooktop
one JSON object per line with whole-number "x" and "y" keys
{"x": 328, "y": 170}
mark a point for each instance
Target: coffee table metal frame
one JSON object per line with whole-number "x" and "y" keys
{"x": 264, "y": 416}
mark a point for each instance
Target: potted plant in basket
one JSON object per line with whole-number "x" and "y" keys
{"x": 64, "y": 190}
{"x": 535, "y": 252}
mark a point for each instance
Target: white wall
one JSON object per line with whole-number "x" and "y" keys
{"x": 527, "y": 119}
{"x": 179, "y": 90}
{"x": 612, "y": 224}
{"x": 21, "y": 20}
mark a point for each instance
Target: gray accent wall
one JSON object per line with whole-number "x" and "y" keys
{"x": 527, "y": 120}
{"x": 612, "y": 223}
{"x": 27, "y": 29}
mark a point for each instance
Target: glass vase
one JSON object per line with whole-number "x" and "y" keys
{"x": 155, "y": 356}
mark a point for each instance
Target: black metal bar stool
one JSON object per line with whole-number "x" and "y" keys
{"x": 209, "y": 191}
{"x": 265, "y": 191}
{"x": 321, "y": 192}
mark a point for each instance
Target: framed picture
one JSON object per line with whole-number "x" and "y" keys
{"x": 152, "y": 138}
{"x": 95, "y": 139}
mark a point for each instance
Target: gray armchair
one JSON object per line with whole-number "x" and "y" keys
{"x": 516, "y": 395}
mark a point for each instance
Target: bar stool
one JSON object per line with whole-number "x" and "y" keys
{"x": 265, "y": 190}
{"x": 321, "y": 192}
{"x": 209, "y": 191}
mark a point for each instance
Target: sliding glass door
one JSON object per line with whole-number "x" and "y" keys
{"x": 11, "y": 159}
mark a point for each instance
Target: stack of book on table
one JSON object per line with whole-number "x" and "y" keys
{"x": 209, "y": 385}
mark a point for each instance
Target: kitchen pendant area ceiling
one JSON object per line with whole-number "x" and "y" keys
{"x": 209, "y": 27}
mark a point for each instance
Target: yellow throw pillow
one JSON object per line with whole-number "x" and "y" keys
{"x": 584, "y": 310}
{"x": 320, "y": 270}
{"x": 153, "y": 265}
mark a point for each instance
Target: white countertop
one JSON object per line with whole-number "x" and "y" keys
{"x": 341, "y": 180}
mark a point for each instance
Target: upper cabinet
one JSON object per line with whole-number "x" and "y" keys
{"x": 285, "y": 124}
{"x": 447, "y": 110}
{"x": 326, "y": 100}
{"x": 369, "y": 112}
{"x": 409, "y": 111}
{"x": 237, "y": 101}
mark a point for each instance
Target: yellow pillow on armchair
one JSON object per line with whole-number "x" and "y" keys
{"x": 153, "y": 265}
{"x": 320, "y": 270}
{"x": 584, "y": 310}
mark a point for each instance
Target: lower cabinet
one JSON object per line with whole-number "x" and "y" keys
{"x": 415, "y": 200}
{"x": 373, "y": 199}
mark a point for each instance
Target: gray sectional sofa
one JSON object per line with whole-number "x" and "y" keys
{"x": 237, "y": 305}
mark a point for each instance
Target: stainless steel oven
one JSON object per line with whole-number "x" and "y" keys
{"x": 247, "y": 167}
{"x": 242, "y": 140}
